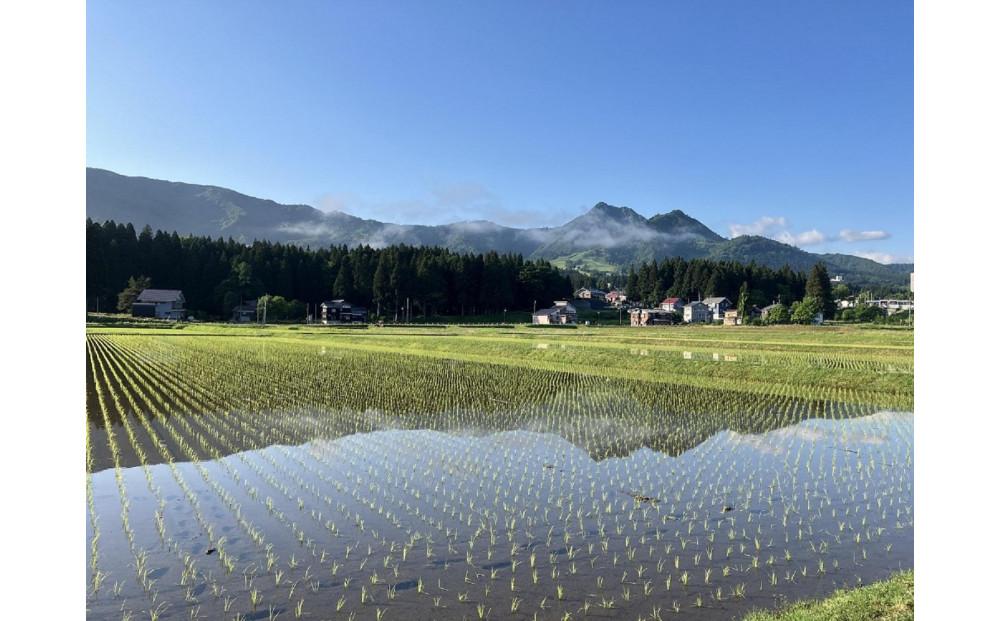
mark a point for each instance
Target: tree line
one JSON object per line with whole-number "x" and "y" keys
{"x": 217, "y": 274}
{"x": 692, "y": 279}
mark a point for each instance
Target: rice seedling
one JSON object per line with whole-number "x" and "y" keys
{"x": 580, "y": 478}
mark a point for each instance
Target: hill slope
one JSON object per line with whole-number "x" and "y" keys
{"x": 606, "y": 237}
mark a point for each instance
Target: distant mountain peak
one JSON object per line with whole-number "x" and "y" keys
{"x": 605, "y": 237}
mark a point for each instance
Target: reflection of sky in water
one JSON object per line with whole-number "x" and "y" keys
{"x": 808, "y": 489}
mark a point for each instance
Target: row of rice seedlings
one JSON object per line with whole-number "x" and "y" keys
{"x": 155, "y": 393}
{"x": 554, "y": 412}
{"x": 216, "y": 542}
{"x": 278, "y": 484}
{"x": 191, "y": 566}
{"x": 270, "y": 478}
{"x": 494, "y": 522}
{"x": 139, "y": 554}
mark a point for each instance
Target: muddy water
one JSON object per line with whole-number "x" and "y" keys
{"x": 744, "y": 520}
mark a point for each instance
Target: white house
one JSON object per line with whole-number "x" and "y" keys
{"x": 672, "y": 304}
{"x": 562, "y": 313}
{"x": 159, "y": 303}
{"x": 586, "y": 293}
{"x": 718, "y": 307}
{"x": 697, "y": 312}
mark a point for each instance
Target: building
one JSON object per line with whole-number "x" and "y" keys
{"x": 672, "y": 304}
{"x": 160, "y": 303}
{"x": 341, "y": 311}
{"x": 767, "y": 310}
{"x": 245, "y": 312}
{"x": 562, "y": 313}
{"x": 836, "y": 279}
{"x": 891, "y": 307}
{"x": 652, "y": 317}
{"x": 718, "y": 306}
{"x": 732, "y": 318}
{"x": 585, "y": 293}
{"x": 615, "y": 298}
{"x": 697, "y": 312}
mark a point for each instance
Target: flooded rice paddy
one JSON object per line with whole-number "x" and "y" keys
{"x": 237, "y": 482}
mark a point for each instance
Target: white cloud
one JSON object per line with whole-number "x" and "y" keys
{"x": 776, "y": 227}
{"x": 807, "y": 238}
{"x": 850, "y": 235}
{"x": 762, "y": 226}
{"x": 444, "y": 204}
{"x": 884, "y": 257}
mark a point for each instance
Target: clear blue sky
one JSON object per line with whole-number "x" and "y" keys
{"x": 792, "y": 119}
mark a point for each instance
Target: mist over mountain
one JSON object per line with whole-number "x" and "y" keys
{"x": 605, "y": 238}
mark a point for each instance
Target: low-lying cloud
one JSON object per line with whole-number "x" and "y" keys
{"x": 884, "y": 257}
{"x": 776, "y": 227}
{"x": 444, "y": 204}
{"x": 850, "y": 235}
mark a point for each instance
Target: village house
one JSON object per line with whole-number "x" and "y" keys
{"x": 341, "y": 311}
{"x": 718, "y": 307}
{"x": 891, "y": 307}
{"x": 732, "y": 318}
{"x": 697, "y": 312}
{"x": 586, "y": 293}
{"x": 615, "y": 298}
{"x": 159, "y": 303}
{"x": 673, "y": 304}
{"x": 562, "y": 313}
{"x": 245, "y": 312}
{"x": 652, "y": 317}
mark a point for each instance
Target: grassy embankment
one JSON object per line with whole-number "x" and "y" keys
{"x": 891, "y": 600}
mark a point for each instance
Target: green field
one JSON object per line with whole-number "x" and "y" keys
{"x": 241, "y": 472}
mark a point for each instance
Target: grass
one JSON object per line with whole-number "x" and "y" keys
{"x": 891, "y": 600}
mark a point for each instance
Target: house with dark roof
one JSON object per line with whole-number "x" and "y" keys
{"x": 160, "y": 303}
{"x": 342, "y": 311}
{"x": 245, "y": 312}
{"x": 586, "y": 293}
{"x": 697, "y": 312}
{"x": 562, "y": 313}
{"x": 718, "y": 307}
{"x": 652, "y": 317}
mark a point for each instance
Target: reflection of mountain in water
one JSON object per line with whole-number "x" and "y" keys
{"x": 207, "y": 415}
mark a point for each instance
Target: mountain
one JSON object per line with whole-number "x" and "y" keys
{"x": 605, "y": 238}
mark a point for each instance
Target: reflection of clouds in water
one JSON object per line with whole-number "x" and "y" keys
{"x": 871, "y": 431}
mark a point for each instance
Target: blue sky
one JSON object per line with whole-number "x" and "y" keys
{"x": 789, "y": 119}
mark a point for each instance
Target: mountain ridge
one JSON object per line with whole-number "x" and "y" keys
{"x": 604, "y": 237}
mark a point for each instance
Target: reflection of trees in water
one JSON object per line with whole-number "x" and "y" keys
{"x": 288, "y": 395}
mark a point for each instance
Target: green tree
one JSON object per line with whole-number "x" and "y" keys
{"x": 343, "y": 286}
{"x": 841, "y": 291}
{"x": 128, "y": 295}
{"x": 778, "y": 315}
{"x": 381, "y": 288}
{"x": 805, "y": 311}
{"x": 743, "y": 301}
{"x": 632, "y": 291}
{"x": 818, "y": 287}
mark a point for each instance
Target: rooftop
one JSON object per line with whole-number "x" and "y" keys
{"x": 160, "y": 295}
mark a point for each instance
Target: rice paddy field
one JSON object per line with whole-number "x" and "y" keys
{"x": 492, "y": 473}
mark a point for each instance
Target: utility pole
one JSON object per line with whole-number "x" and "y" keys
{"x": 265, "y": 308}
